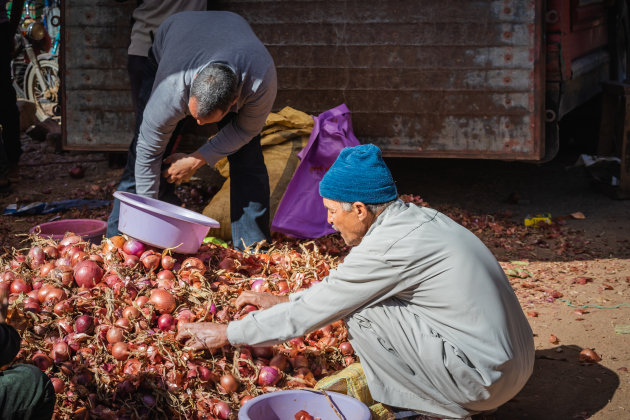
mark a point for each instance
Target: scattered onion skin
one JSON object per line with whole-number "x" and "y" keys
{"x": 589, "y": 356}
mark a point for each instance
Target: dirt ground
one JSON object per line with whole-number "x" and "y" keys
{"x": 572, "y": 277}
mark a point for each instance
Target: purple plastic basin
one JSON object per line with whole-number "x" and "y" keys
{"x": 89, "y": 229}
{"x": 161, "y": 224}
{"x": 282, "y": 405}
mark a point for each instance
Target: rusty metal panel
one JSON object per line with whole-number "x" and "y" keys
{"x": 450, "y": 78}
{"x": 97, "y": 111}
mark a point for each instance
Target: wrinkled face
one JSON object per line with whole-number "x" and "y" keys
{"x": 214, "y": 116}
{"x": 353, "y": 224}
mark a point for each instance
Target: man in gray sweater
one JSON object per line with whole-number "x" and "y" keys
{"x": 430, "y": 313}
{"x": 209, "y": 65}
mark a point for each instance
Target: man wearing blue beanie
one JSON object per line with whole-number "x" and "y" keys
{"x": 430, "y": 312}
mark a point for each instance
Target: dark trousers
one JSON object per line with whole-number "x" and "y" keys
{"x": 249, "y": 180}
{"x": 249, "y": 193}
{"x": 26, "y": 393}
{"x": 127, "y": 183}
{"x": 9, "y": 113}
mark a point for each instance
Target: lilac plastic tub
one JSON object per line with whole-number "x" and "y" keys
{"x": 89, "y": 229}
{"x": 161, "y": 224}
{"x": 282, "y": 405}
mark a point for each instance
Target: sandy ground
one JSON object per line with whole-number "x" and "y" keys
{"x": 572, "y": 278}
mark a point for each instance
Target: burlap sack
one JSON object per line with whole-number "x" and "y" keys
{"x": 284, "y": 135}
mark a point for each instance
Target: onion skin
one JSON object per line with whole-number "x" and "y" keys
{"x": 589, "y": 356}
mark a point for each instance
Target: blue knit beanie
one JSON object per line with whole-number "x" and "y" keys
{"x": 359, "y": 174}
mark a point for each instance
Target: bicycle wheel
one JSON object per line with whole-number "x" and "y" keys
{"x": 45, "y": 96}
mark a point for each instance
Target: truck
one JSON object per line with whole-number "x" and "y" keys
{"x": 473, "y": 79}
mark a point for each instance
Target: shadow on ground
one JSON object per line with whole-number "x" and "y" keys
{"x": 561, "y": 387}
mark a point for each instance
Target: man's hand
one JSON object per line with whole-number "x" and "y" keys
{"x": 4, "y": 304}
{"x": 183, "y": 167}
{"x": 203, "y": 335}
{"x": 260, "y": 300}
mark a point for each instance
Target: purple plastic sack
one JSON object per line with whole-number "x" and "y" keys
{"x": 301, "y": 212}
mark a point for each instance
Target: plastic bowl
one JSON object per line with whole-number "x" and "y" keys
{"x": 282, "y": 405}
{"x": 89, "y": 229}
{"x": 161, "y": 224}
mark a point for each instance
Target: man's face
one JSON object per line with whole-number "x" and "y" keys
{"x": 353, "y": 224}
{"x": 213, "y": 117}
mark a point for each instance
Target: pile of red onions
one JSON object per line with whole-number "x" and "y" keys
{"x": 101, "y": 320}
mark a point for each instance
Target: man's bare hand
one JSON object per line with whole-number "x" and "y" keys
{"x": 260, "y": 300}
{"x": 182, "y": 167}
{"x": 203, "y": 335}
{"x": 4, "y": 304}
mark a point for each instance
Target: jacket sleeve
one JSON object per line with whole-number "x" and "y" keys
{"x": 360, "y": 281}
{"x": 9, "y": 343}
{"x": 165, "y": 108}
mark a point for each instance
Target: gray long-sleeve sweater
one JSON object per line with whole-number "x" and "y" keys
{"x": 429, "y": 310}
{"x": 184, "y": 44}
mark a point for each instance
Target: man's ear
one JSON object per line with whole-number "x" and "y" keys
{"x": 360, "y": 209}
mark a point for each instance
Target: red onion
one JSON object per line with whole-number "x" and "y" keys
{"x": 60, "y": 352}
{"x": 166, "y": 322}
{"x": 42, "y": 361}
{"x": 150, "y": 260}
{"x": 258, "y": 285}
{"x": 120, "y": 350}
{"x": 19, "y": 285}
{"x": 228, "y": 383}
{"x": 148, "y": 400}
{"x": 134, "y": 247}
{"x": 36, "y": 257}
{"x": 263, "y": 351}
{"x": 168, "y": 262}
{"x": 245, "y": 399}
{"x": 163, "y": 301}
{"x": 114, "y": 335}
{"x": 268, "y": 376}
{"x": 280, "y": 362}
{"x": 84, "y": 324}
{"x": 58, "y": 385}
{"x": 222, "y": 410}
{"x": 346, "y": 348}
{"x": 87, "y": 273}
